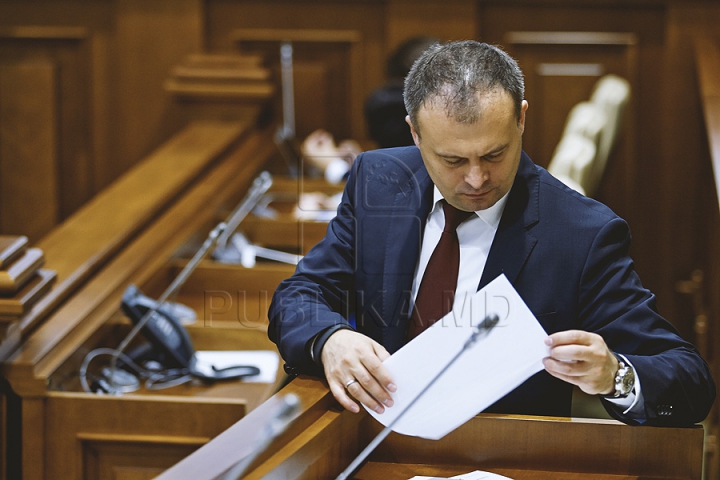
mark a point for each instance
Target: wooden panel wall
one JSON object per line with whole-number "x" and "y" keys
{"x": 86, "y": 80}
{"x": 28, "y": 143}
{"x": 704, "y": 222}
{"x": 689, "y": 201}
{"x": 561, "y": 69}
{"x": 43, "y": 104}
{"x": 338, "y": 58}
{"x": 324, "y": 62}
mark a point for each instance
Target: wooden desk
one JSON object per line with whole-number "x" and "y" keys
{"x": 324, "y": 439}
{"x": 286, "y": 232}
{"x": 138, "y": 231}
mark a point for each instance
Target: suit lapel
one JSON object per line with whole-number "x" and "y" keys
{"x": 513, "y": 242}
{"x": 405, "y": 230}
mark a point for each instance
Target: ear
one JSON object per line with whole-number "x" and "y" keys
{"x": 415, "y": 134}
{"x": 521, "y": 120}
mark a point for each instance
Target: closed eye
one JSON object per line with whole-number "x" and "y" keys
{"x": 452, "y": 160}
{"x": 493, "y": 156}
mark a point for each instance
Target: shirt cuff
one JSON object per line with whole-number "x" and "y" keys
{"x": 633, "y": 404}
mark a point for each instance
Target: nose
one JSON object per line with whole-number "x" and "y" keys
{"x": 476, "y": 177}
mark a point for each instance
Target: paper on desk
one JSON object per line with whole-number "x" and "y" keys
{"x": 487, "y": 371}
{"x": 476, "y": 475}
{"x": 266, "y": 360}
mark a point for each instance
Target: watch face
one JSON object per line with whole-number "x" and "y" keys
{"x": 628, "y": 381}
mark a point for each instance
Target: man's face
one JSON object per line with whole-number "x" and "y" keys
{"x": 473, "y": 165}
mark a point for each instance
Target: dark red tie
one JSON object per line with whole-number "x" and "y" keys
{"x": 437, "y": 289}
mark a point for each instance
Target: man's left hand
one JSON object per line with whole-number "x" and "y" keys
{"x": 583, "y": 359}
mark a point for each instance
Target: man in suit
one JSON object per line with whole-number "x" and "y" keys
{"x": 353, "y": 298}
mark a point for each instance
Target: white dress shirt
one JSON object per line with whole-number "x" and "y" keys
{"x": 475, "y": 236}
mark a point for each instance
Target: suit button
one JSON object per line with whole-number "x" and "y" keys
{"x": 290, "y": 370}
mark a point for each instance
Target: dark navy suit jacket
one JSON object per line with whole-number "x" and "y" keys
{"x": 565, "y": 254}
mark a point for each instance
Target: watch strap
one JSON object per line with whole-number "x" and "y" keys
{"x": 318, "y": 341}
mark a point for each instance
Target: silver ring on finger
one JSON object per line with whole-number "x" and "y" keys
{"x": 347, "y": 385}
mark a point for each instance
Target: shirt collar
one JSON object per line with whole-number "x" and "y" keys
{"x": 491, "y": 215}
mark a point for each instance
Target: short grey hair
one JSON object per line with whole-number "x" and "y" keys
{"x": 455, "y": 73}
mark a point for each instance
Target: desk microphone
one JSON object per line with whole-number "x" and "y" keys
{"x": 483, "y": 328}
{"x": 284, "y": 414}
{"x": 171, "y": 290}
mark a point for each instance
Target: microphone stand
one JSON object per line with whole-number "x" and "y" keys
{"x": 218, "y": 235}
{"x": 483, "y": 327}
{"x": 288, "y": 94}
{"x": 286, "y": 133}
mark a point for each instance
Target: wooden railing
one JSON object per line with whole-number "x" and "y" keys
{"x": 80, "y": 246}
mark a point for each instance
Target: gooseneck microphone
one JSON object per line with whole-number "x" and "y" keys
{"x": 483, "y": 328}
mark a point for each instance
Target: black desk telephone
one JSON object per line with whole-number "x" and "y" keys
{"x": 170, "y": 342}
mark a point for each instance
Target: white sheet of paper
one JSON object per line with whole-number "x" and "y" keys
{"x": 487, "y": 371}
{"x": 266, "y": 360}
{"x": 476, "y": 475}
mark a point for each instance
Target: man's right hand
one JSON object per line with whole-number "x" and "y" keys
{"x": 349, "y": 355}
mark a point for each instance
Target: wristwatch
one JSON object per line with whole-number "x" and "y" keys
{"x": 624, "y": 379}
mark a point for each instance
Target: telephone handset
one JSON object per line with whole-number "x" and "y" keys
{"x": 170, "y": 339}
{"x": 163, "y": 330}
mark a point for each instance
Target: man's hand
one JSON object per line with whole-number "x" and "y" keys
{"x": 349, "y": 355}
{"x": 583, "y": 359}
